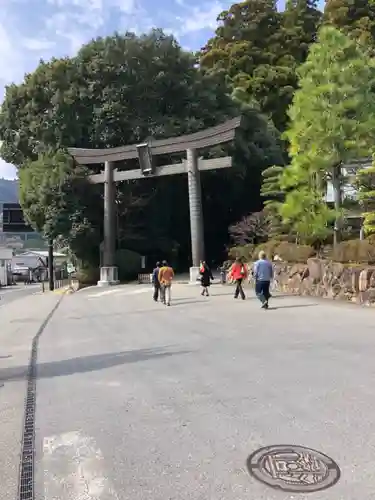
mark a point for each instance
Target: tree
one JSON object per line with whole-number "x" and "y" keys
{"x": 58, "y": 202}
{"x": 353, "y": 17}
{"x": 250, "y": 229}
{"x": 366, "y": 196}
{"x": 120, "y": 90}
{"x": 306, "y": 213}
{"x": 301, "y": 20}
{"x": 246, "y": 49}
{"x": 274, "y": 197}
{"x": 332, "y": 118}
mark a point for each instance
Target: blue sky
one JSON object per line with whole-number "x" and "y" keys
{"x": 34, "y": 29}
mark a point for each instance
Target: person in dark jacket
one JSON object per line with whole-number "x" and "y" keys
{"x": 156, "y": 282}
{"x": 206, "y": 277}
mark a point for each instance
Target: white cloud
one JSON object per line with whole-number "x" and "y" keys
{"x": 56, "y": 28}
{"x": 201, "y": 17}
{"x": 7, "y": 171}
{"x": 37, "y": 44}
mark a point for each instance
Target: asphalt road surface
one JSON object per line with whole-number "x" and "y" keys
{"x": 138, "y": 401}
{"x": 11, "y": 293}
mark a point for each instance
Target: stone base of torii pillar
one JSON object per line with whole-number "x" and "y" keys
{"x": 194, "y": 274}
{"x": 108, "y": 276}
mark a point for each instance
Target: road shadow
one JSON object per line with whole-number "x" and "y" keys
{"x": 6, "y": 357}
{"x": 87, "y": 364}
{"x": 183, "y": 302}
{"x": 292, "y": 306}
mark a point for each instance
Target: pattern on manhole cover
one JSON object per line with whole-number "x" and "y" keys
{"x": 293, "y": 468}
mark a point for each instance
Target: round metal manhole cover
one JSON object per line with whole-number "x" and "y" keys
{"x": 293, "y": 468}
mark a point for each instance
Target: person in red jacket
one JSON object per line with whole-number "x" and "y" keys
{"x": 237, "y": 273}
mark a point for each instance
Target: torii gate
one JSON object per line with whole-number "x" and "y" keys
{"x": 144, "y": 152}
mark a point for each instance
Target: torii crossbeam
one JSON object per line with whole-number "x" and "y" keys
{"x": 144, "y": 152}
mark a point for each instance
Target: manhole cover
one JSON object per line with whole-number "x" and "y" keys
{"x": 293, "y": 468}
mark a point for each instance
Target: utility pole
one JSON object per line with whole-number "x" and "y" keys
{"x": 50, "y": 266}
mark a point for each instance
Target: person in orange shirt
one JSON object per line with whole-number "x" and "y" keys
{"x": 166, "y": 276}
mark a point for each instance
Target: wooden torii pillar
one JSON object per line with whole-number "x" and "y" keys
{"x": 144, "y": 152}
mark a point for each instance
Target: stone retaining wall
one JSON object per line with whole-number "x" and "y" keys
{"x": 322, "y": 278}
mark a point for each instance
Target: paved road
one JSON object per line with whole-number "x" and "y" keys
{"x": 11, "y": 293}
{"x": 139, "y": 401}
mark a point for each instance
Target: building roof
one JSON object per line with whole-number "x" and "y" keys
{"x": 40, "y": 253}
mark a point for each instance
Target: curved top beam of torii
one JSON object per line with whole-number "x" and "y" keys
{"x": 222, "y": 133}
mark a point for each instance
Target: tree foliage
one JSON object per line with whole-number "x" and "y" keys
{"x": 258, "y": 48}
{"x": 366, "y": 196}
{"x": 332, "y": 122}
{"x": 274, "y": 197}
{"x": 58, "y": 202}
{"x": 120, "y": 90}
{"x": 353, "y": 17}
{"x": 250, "y": 229}
{"x": 301, "y": 20}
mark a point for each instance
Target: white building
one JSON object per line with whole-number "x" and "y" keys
{"x": 32, "y": 260}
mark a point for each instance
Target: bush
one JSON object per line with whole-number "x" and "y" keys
{"x": 359, "y": 251}
{"x": 88, "y": 276}
{"x": 269, "y": 247}
{"x": 290, "y": 252}
{"x": 241, "y": 252}
{"x": 295, "y": 253}
{"x": 128, "y": 263}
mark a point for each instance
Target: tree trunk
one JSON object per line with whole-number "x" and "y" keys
{"x": 336, "y": 185}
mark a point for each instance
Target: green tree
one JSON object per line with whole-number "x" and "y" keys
{"x": 353, "y": 17}
{"x": 59, "y": 203}
{"x": 332, "y": 117}
{"x": 301, "y": 20}
{"x": 120, "y": 90}
{"x": 274, "y": 197}
{"x": 365, "y": 183}
{"x": 307, "y": 215}
{"x": 247, "y": 51}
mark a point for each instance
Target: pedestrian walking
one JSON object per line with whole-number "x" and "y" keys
{"x": 206, "y": 277}
{"x": 223, "y": 275}
{"x": 237, "y": 273}
{"x": 156, "y": 282}
{"x": 166, "y": 276}
{"x": 263, "y": 275}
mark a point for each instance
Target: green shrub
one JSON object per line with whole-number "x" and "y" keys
{"x": 359, "y": 251}
{"x": 295, "y": 253}
{"x": 88, "y": 276}
{"x": 128, "y": 263}
{"x": 269, "y": 247}
{"x": 290, "y": 252}
{"x": 241, "y": 252}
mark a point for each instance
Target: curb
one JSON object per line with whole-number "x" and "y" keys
{"x": 66, "y": 290}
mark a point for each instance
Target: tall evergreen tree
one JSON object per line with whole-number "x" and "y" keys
{"x": 332, "y": 120}
{"x": 353, "y": 17}
{"x": 301, "y": 20}
{"x": 247, "y": 50}
{"x": 366, "y": 196}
